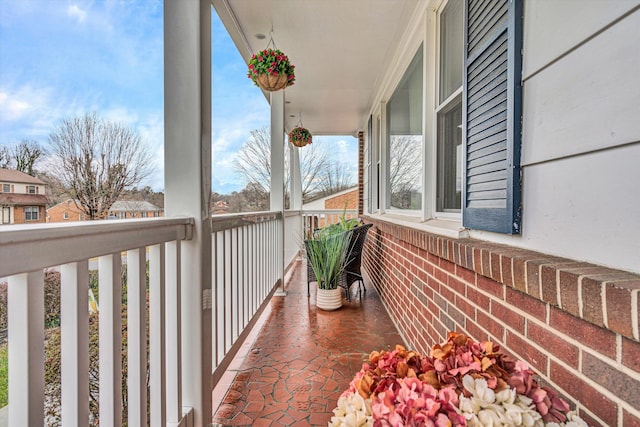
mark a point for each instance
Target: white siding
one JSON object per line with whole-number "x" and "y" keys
{"x": 581, "y": 132}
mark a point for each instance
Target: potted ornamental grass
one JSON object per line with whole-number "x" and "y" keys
{"x": 271, "y": 70}
{"x": 328, "y": 254}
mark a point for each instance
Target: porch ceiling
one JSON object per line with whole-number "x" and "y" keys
{"x": 341, "y": 50}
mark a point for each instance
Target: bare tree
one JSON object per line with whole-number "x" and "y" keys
{"x": 336, "y": 178}
{"x": 97, "y": 160}
{"x": 404, "y": 169}
{"x": 26, "y": 154}
{"x": 5, "y": 157}
{"x": 254, "y": 163}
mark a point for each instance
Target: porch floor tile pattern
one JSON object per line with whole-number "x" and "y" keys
{"x": 304, "y": 358}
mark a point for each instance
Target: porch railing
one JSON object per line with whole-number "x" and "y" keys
{"x": 314, "y": 219}
{"x": 246, "y": 269}
{"x": 25, "y": 251}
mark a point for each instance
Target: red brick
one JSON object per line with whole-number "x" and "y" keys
{"x": 477, "y": 298}
{"x": 530, "y": 305}
{"x": 486, "y": 262}
{"x": 549, "y": 284}
{"x": 473, "y": 330}
{"x": 631, "y": 354}
{"x": 466, "y": 275}
{"x": 448, "y": 266}
{"x": 569, "y": 289}
{"x": 491, "y": 286}
{"x": 477, "y": 260}
{"x": 591, "y": 291}
{"x": 620, "y": 384}
{"x": 507, "y": 270}
{"x": 618, "y": 297}
{"x": 468, "y": 309}
{"x": 490, "y": 324}
{"x": 629, "y": 420}
{"x": 496, "y": 268}
{"x": 519, "y": 274}
{"x": 589, "y": 397}
{"x": 597, "y": 338}
{"x": 550, "y": 341}
{"x": 508, "y": 316}
{"x": 533, "y": 277}
{"x": 527, "y": 352}
{"x": 457, "y": 286}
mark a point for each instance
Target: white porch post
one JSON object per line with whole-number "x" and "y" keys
{"x": 187, "y": 106}
{"x": 295, "y": 190}
{"x": 277, "y": 176}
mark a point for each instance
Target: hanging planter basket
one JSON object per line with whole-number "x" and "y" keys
{"x": 300, "y": 136}
{"x": 271, "y": 70}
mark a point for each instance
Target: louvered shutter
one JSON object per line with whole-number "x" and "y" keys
{"x": 492, "y": 109}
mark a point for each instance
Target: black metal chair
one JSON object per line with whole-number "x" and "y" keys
{"x": 352, "y": 271}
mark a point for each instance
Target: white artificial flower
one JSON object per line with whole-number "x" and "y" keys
{"x": 352, "y": 411}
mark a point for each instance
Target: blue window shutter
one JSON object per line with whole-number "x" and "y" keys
{"x": 492, "y": 110}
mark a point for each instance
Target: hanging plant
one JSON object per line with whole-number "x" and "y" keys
{"x": 300, "y": 136}
{"x": 271, "y": 70}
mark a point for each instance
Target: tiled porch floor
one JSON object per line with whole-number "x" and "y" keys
{"x": 303, "y": 358}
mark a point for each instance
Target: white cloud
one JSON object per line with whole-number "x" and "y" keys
{"x": 74, "y": 11}
{"x": 11, "y": 107}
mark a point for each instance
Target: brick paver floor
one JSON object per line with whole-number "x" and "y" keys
{"x": 304, "y": 358}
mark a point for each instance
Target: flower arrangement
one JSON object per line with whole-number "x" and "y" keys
{"x": 271, "y": 70}
{"x": 460, "y": 383}
{"x": 300, "y": 136}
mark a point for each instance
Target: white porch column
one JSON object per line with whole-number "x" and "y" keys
{"x": 187, "y": 147}
{"x": 295, "y": 190}
{"x": 277, "y": 176}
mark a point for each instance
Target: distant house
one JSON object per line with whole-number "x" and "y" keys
{"x": 346, "y": 199}
{"x": 121, "y": 209}
{"x": 340, "y": 201}
{"x": 23, "y": 198}
{"x": 65, "y": 211}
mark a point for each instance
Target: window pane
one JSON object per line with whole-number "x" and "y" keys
{"x": 451, "y": 34}
{"x": 450, "y": 157}
{"x": 404, "y": 143}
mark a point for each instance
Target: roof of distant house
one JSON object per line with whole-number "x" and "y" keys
{"x": 19, "y": 199}
{"x": 133, "y": 206}
{"x": 11, "y": 175}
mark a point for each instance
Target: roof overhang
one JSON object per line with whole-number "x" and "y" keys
{"x": 342, "y": 51}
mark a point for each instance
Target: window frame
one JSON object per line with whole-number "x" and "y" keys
{"x": 385, "y": 194}
{"x": 29, "y": 212}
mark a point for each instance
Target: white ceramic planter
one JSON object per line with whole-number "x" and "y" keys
{"x": 329, "y": 299}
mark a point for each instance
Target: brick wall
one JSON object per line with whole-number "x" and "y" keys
{"x": 344, "y": 201}
{"x": 57, "y": 212}
{"x": 18, "y": 215}
{"x": 575, "y": 323}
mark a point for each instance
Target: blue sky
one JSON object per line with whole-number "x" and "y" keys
{"x": 60, "y": 59}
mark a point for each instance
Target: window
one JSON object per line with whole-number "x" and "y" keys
{"x": 6, "y": 188}
{"x": 449, "y": 109}
{"x": 31, "y": 213}
{"x": 404, "y": 139}
{"x": 31, "y": 189}
{"x": 65, "y": 215}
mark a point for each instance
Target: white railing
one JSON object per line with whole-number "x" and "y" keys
{"x": 312, "y": 220}
{"x": 247, "y": 268}
{"x": 26, "y": 250}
